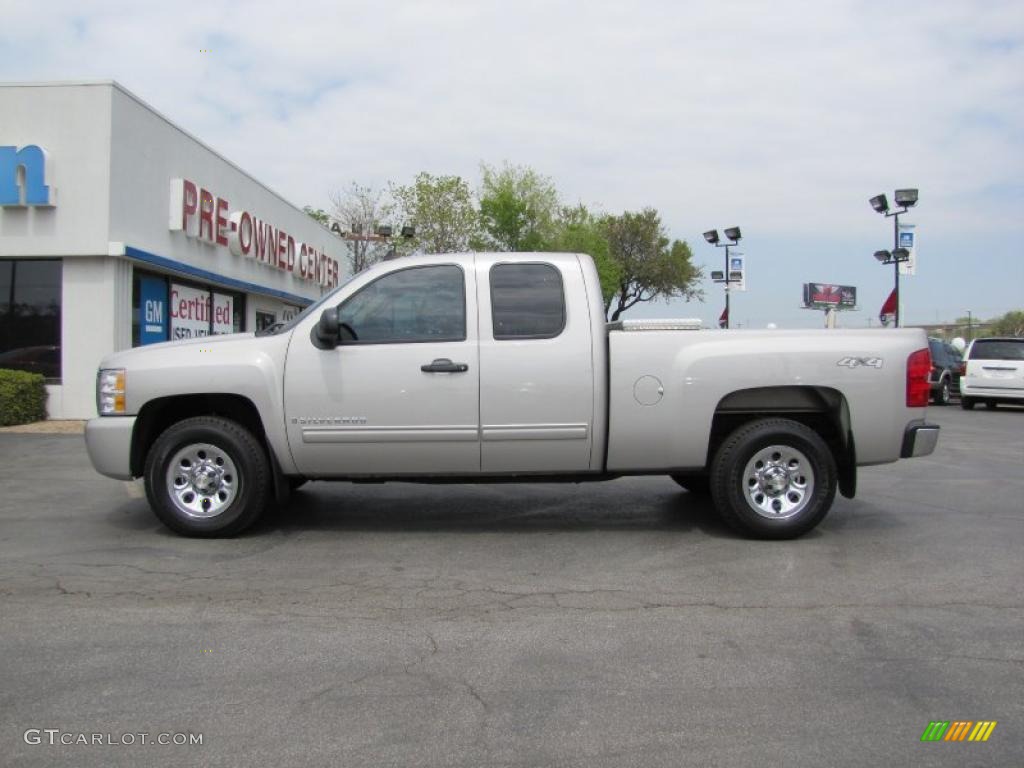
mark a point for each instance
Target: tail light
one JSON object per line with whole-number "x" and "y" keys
{"x": 918, "y": 365}
{"x": 961, "y": 367}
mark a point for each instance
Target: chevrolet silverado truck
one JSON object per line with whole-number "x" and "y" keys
{"x": 497, "y": 367}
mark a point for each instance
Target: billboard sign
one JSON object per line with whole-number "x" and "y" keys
{"x": 828, "y": 295}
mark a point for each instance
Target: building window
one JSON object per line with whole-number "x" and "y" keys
{"x": 30, "y": 308}
{"x": 168, "y": 309}
{"x": 527, "y": 301}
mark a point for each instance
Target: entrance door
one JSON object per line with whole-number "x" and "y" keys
{"x": 403, "y": 397}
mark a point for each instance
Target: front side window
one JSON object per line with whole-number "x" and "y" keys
{"x": 527, "y": 301}
{"x": 418, "y": 304}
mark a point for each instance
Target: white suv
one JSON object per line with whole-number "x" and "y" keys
{"x": 993, "y": 372}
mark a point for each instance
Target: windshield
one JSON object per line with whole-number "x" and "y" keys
{"x": 998, "y": 349}
{"x": 314, "y": 307}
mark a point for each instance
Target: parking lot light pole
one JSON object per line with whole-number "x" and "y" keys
{"x": 734, "y": 235}
{"x": 905, "y": 199}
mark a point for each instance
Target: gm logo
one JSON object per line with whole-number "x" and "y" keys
{"x": 23, "y": 178}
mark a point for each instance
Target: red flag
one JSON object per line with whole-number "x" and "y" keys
{"x": 723, "y": 320}
{"x": 888, "y": 313}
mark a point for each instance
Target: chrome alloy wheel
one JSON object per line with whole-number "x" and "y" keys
{"x": 778, "y": 482}
{"x": 202, "y": 480}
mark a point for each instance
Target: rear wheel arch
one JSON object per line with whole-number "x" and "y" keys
{"x": 822, "y": 409}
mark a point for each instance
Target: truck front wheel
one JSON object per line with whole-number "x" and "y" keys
{"x": 207, "y": 476}
{"x": 773, "y": 479}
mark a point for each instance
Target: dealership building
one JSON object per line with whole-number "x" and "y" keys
{"x": 118, "y": 228}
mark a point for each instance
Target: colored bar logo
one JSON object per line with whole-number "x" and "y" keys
{"x": 958, "y": 730}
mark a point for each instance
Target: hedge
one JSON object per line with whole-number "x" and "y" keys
{"x": 22, "y": 398}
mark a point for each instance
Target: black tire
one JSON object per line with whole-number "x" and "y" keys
{"x": 699, "y": 485}
{"x": 245, "y": 482}
{"x": 967, "y": 403}
{"x": 942, "y": 397}
{"x": 991, "y": 404}
{"x": 814, "y": 466}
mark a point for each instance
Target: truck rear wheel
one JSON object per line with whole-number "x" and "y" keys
{"x": 773, "y": 479}
{"x": 207, "y": 476}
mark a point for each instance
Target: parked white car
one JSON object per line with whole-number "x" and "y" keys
{"x": 500, "y": 367}
{"x": 993, "y": 372}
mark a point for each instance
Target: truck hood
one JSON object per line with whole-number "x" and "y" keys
{"x": 170, "y": 352}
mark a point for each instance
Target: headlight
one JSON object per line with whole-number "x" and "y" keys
{"x": 110, "y": 392}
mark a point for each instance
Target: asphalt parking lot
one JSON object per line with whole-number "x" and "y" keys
{"x": 608, "y": 624}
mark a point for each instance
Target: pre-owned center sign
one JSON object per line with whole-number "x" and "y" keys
{"x": 199, "y": 213}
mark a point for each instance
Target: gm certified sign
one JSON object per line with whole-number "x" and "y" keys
{"x": 23, "y": 178}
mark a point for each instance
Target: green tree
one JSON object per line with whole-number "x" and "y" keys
{"x": 319, "y": 214}
{"x": 579, "y": 230}
{"x": 518, "y": 208}
{"x": 1010, "y": 324}
{"x": 442, "y": 210}
{"x": 652, "y": 266}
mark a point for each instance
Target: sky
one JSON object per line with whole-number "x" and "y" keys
{"x": 783, "y": 118}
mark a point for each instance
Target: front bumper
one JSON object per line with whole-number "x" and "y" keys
{"x": 919, "y": 439}
{"x": 109, "y": 442}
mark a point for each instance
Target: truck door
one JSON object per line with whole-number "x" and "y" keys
{"x": 403, "y": 397}
{"x": 537, "y": 386}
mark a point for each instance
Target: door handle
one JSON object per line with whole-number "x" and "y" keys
{"x": 444, "y": 365}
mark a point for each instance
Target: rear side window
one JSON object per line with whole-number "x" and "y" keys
{"x": 527, "y": 301}
{"x": 996, "y": 349}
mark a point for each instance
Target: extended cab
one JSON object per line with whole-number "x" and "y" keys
{"x": 495, "y": 367}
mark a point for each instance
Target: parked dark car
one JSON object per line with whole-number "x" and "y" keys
{"x": 947, "y": 367}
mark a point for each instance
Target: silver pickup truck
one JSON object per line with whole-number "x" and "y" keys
{"x": 496, "y": 367}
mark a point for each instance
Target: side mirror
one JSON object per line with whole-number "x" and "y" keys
{"x": 327, "y": 329}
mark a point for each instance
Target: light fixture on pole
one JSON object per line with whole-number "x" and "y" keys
{"x": 734, "y": 235}
{"x": 905, "y": 199}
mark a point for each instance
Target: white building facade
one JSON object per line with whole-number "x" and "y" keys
{"x": 117, "y": 228}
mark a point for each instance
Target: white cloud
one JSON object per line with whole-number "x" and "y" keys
{"x": 782, "y": 117}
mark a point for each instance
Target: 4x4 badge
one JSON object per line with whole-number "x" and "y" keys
{"x": 857, "y": 362}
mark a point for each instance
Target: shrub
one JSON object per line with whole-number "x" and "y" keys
{"x": 22, "y": 398}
